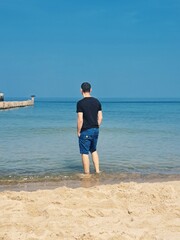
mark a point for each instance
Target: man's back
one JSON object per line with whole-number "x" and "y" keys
{"x": 89, "y": 106}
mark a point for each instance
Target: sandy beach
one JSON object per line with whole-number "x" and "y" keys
{"x": 125, "y": 211}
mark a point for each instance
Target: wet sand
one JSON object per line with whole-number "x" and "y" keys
{"x": 81, "y": 180}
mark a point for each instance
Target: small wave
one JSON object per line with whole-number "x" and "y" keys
{"x": 33, "y": 183}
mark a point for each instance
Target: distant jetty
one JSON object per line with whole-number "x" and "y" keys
{"x": 15, "y": 104}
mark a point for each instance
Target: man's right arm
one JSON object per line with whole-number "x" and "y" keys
{"x": 100, "y": 117}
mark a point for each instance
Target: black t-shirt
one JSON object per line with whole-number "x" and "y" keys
{"x": 89, "y": 106}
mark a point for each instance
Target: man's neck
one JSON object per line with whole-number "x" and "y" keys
{"x": 86, "y": 94}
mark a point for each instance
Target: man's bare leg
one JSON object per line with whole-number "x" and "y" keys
{"x": 85, "y": 162}
{"x": 95, "y": 159}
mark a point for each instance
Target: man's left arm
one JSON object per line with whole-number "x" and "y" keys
{"x": 79, "y": 123}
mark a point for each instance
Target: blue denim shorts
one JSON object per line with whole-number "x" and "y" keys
{"x": 88, "y": 140}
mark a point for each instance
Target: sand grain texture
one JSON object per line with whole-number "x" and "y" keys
{"x": 126, "y": 211}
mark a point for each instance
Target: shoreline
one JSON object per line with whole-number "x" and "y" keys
{"x": 124, "y": 211}
{"x": 84, "y": 181}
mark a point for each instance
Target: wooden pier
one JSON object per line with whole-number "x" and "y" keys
{"x": 16, "y": 104}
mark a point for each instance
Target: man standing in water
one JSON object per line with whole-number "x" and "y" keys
{"x": 89, "y": 118}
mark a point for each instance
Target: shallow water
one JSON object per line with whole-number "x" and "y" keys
{"x": 39, "y": 144}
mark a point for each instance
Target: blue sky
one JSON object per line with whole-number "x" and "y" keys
{"x": 124, "y": 48}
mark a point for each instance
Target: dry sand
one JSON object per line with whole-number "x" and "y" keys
{"x": 144, "y": 211}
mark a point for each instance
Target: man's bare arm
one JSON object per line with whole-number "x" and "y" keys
{"x": 100, "y": 117}
{"x": 79, "y": 122}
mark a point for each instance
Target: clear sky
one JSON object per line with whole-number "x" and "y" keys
{"x": 125, "y": 48}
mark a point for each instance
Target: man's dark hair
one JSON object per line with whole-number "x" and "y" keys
{"x": 86, "y": 87}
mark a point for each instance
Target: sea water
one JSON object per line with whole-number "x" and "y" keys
{"x": 137, "y": 138}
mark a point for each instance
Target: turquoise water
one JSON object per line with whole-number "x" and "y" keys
{"x": 136, "y": 138}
